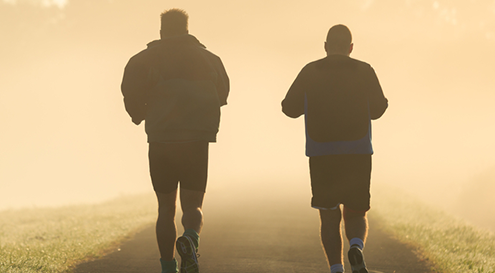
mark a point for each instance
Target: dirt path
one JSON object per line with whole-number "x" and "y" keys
{"x": 262, "y": 238}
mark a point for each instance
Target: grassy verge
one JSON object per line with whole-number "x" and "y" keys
{"x": 450, "y": 243}
{"x": 55, "y": 239}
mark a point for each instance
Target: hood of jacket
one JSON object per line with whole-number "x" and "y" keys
{"x": 186, "y": 39}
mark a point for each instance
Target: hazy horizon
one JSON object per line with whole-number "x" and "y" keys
{"x": 67, "y": 139}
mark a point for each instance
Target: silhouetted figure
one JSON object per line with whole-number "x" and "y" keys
{"x": 339, "y": 96}
{"x": 177, "y": 87}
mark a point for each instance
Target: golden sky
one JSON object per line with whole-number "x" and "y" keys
{"x": 66, "y": 137}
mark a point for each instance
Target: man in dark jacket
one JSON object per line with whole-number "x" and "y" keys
{"x": 339, "y": 97}
{"x": 177, "y": 87}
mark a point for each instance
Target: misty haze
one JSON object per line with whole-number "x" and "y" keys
{"x": 66, "y": 138}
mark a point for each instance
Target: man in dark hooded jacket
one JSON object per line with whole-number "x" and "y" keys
{"x": 177, "y": 87}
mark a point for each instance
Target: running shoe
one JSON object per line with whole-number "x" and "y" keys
{"x": 356, "y": 259}
{"x": 188, "y": 256}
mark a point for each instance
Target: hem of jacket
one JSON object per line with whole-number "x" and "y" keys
{"x": 168, "y": 137}
{"x": 360, "y": 146}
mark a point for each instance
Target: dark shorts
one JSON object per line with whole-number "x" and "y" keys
{"x": 341, "y": 179}
{"x": 184, "y": 162}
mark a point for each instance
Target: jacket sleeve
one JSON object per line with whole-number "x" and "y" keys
{"x": 134, "y": 85}
{"x": 293, "y": 103}
{"x": 376, "y": 100}
{"x": 223, "y": 83}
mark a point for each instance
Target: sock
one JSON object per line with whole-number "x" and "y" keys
{"x": 169, "y": 266}
{"x": 337, "y": 268}
{"x": 358, "y": 242}
{"x": 191, "y": 233}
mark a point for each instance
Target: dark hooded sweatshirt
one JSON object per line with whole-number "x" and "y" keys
{"x": 177, "y": 87}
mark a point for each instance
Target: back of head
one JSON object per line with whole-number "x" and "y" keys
{"x": 339, "y": 39}
{"x": 174, "y": 22}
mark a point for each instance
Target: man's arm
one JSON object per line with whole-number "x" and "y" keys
{"x": 134, "y": 86}
{"x": 377, "y": 101}
{"x": 293, "y": 104}
{"x": 223, "y": 83}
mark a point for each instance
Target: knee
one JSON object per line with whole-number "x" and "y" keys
{"x": 167, "y": 204}
{"x": 353, "y": 214}
{"x": 330, "y": 217}
{"x": 166, "y": 212}
{"x": 167, "y": 209}
{"x": 191, "y": 209}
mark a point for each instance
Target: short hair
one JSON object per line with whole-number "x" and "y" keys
{"x": 174, "y": 22}
{"x": 339, "y": 38}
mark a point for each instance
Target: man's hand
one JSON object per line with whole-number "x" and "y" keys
{"x": 136, "y": 121}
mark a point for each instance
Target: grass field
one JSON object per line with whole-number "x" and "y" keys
{"x": 55, "y": 239}
{"x": 448, "y": 242}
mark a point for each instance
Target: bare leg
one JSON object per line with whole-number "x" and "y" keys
{"x": 356, "y": 225}
{"x": 192, "y": 204}
{"x": 331, "y": 235}
{"x": 166, "y": 230}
